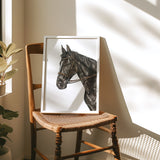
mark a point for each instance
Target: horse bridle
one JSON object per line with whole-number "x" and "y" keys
{"x": 75, "y": 80}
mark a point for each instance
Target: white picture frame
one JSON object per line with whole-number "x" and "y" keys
{"x": 70, "y": 99}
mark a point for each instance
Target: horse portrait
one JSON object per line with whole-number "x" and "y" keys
{"x": 73, "y": 63}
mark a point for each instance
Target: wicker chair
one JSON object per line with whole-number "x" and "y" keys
{"x": 59, "y": 123}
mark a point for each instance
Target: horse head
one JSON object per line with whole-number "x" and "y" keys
{"x": 67, "y": 68}
{"x": 86, "y": 68}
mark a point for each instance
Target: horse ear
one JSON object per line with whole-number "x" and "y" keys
{"x": 68, "y": 49}
{"x": 63, "y": 50}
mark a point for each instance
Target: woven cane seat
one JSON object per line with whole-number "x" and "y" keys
{"x": 70, "y": 122}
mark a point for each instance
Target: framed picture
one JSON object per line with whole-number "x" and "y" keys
{"x": 70, "y": 81}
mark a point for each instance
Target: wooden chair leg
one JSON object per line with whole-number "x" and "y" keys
{"x": 33, "y": 141}
{"x": 115, "y": 142}
{"x": 58, "y": 146}
{"x": 78, "y": 143}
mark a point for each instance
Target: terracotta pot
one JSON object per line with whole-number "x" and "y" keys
{"x": 2, "y": 89}
{"x": 7, "y": 155}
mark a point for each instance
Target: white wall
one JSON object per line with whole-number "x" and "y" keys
{"x": 131, "y": 30}
{"x": 126, "y": 29}
{"x": 48, "y": 18}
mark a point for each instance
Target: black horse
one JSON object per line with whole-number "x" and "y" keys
{"x": 86, "y": 68}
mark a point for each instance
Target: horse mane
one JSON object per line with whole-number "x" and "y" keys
{"x": 86, "y": 61}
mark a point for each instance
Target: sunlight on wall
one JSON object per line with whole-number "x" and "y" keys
{"x": 133, "y": 38}
{"x": 7, "y": 31}
{"x": 153, "y": 2}
{"x": 142, "y": 147}
{"x": 7, "y": 20}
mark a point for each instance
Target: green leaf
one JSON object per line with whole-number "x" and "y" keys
{"x": 3, "y": 64}
{"x": 8, "y": 114}
{"x": 10, "y": 47}
{"x": 6, "y": 52}
{"x": 3, "y": 150}
{"x": 1, "y": 51}
{"x": 9, "y": 53}
{"x": 11, "y": 63}
{"x": 2, "y": 142}
{"x": 4, "y": 130}
{"x": 1, "y": 110}
{"x": 3, "y": 45}
{"x": 10, "y": 74}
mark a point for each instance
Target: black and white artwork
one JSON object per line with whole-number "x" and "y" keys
{"x": 70, "y": 81}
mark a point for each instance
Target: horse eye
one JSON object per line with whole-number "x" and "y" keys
{"x": 63, "y": 62}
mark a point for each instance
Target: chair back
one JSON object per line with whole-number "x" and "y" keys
{"x": 36, "y": 48}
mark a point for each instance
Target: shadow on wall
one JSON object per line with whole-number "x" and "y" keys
{"x": 111, "y": 100}
{"x": 111, "y": 97}
{"x": 148, "y": 7}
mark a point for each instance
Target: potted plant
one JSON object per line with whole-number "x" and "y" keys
{"x": 4, "y": 131}
{"x": 5, "y": 62}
